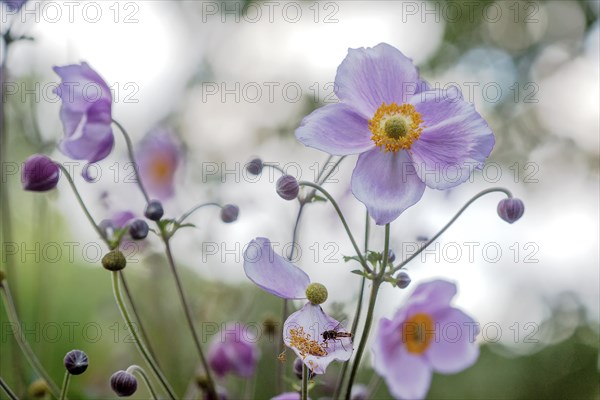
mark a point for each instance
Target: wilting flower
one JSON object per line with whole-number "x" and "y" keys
{"x": 303, "y": 330}
{"x": 425, "y": 335}
{"x": 85, "y": 113}
{"x": 234, "y": 351}
{"x": 158, "y": 157}
{"x": 407, "y": 135}
{"x": 39, "y": 174}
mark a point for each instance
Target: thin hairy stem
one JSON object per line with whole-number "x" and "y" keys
{"x": 196, "y": 208}
{"x": 11, "y": 395}
{"x": 132, "y": 159}
{"x": 142, "y": 374}
{"x": 65, "y": 386}
{"x": 304, "y": 391}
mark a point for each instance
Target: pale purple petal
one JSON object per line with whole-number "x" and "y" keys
{"x": 234, "y": 350}
{"x": 314, "y": 322}
{"x": 386, "y": 183}
{"x": 456, "y": 139}
{"x": 369, "y": 77}
{"x": 121, "y": 218}
{"x": 454, "y": 348}
{"x": 430, "y": 297}
{"x": 288, "y": 396}
{"x": 336, "y": 129}
{"x": 273, "y": 273}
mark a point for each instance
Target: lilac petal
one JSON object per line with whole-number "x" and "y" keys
{"x": 158, "y": 158}
{"x": 288, "y": 396}
{"x": 456, "y": 139}
{"x": 386, "y": 183}
{"x": 273, "y": 273}
{"x": 454, "y": 348}
{"x": 407, "y": 376}
{"x": 369, "y": 77}
{"x": 234, "y": 350}
{"x": 336, "y": 129}
{"x": 314, "y": 322}
{"x": 430, "y": 297}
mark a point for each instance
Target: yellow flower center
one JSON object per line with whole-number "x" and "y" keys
{"x": 161, "y": 169}
{"x": 305, "y": 345}
{"x": 395, "y": 127}
{"x": 417, "y": 333}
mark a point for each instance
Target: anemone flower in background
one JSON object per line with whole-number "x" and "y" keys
{"x": 424, "y": 336}
{"x": 234, "y": 351}
{"x": 13, "y": 5}
{"x": 85, "y": 113}
{"x": 303, "y": 330}
{"x": 407, "y": 135}
{"x": 158, "y": 156}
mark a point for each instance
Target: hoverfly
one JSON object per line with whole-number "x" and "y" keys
{"x": 334, "y": 334}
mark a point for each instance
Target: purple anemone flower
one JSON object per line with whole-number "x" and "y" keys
{"x": 85, "y": 113}
{"x": 158, "y": 157}
{"x": 39, "y": 174}
{"x": 234, "y": 351}
{"x": 407, "y": 135}
{"x": 425, "y": 335}
{"x": 14, "y": 5}
{"x": 303, "y": 330}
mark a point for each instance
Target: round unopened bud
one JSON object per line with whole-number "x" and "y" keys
{"x": 114, "y": 260}
{"x": 2, "y": 276}
{"x": 402, "y": 280}
{"x": 229, "y": 213}
{"x": 123, "y": 383}
{"x": 298, "y": 369}
{"x": 39, "y": 174}
{"x": 316, "y": 293}
{"x": 287, "y": 187}
{"x": 138, "y": 229}
{"x": 255, "y": 166}
{"x": 76, "y": 362}
{"x": 511, "y": 210}
{"x": 391, "y": 256}
{"x": 38, "y": 388}
{"x": 154, "y": 210}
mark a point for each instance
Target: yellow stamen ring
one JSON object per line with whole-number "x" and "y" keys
{"x": 395, "y": 127}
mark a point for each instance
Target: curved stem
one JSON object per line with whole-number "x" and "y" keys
{"x": 132, "y": 159}
{"x": 194, "y": 209}
{"x": 20, "y": 337}
{"x": 188, "y": 316}
{"x": 81, "y": 203}
{"x": 274, "y": 166}
{"x": 11, "y": 395}
{"x": 140, "y": 371}
{"x": 142, "y": 349}
{"x": 331, "y": 171}
{"x": 363, "y": 262}
{"x": 65, "y": 385}
{"x": 304, "y": 390}
{"x": 437, "y": 235}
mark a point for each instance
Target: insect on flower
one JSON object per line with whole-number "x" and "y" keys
{"x": 335, "y": 334}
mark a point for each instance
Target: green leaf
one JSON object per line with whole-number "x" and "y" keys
{"x": 317, "y": 198}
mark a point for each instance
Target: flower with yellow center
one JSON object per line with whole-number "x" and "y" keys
{"x": 395, "y": 127}
{"x": 417, "y": 333}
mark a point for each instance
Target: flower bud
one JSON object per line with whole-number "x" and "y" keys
{"x": 154, "y": 210}
{"x": 402, "y": 280}
{"x": 39, "y": 174}
{"x": 511, "y": 209}
{"x": 229, "y": 213}
{"x": 298, "y": 363}
{"x": 138, "y": 229}
{"x": 38, "y": 388}
{"x": 76, "y": 362}
{"x": 391, "y": 256}
{"x": 255, "y": 166}
{"x": 114, "y": 260}
{"x": 287, "y": 187}
{"x": 123, "y": 383}
{"x": 316, "y": 293}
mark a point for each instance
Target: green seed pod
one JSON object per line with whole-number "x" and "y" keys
{"x": 114, "y": 261}
{"x": 316, "y": 293}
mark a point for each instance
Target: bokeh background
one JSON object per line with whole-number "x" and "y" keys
{"x": 233, "y": 80}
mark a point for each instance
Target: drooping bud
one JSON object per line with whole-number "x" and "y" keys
{"x": 114, "y": 260}
{"x": 39, "y": 174}
{"x": 316, "y": 293}
{"x": 154, "y": 210}
{"x": 255, "y": 166}
{"x": 298, "y": 363}
{"x": 287, "y": 187}
{"x": 511, "y": 209}
{"x": 229, "y": 213}
{"x": 391, "y": 256}
{"x": 138, "y": 229}
{"x": 76, "y": 362}
{"x": 123, "y": 383}
{"x": 38, "y": 388}
{"x": 402, "y": 280}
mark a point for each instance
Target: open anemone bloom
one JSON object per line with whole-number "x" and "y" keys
{"x": 303, "y": 330}
{"x": 425, "y": 335}
{"x": 234, "y": 351}
{"x": 407, "y": 135}
{"x": 85, "y": 113}
{"x": 158, "y": 158}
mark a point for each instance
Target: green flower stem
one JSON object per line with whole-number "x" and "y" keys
{"x": 65, "y": 385}
{"x": 11, "y": 395}
{"x": 363, "y": 262}
{"x": 188, "y": 316}
{"x": 437, "y": 235}
{"x": 304, "y": 390}
{"x": 20, "y": 337}
{"x": 139, "y": 344}
{"x": 275, "y": 167}
{"x": 140, "y": 371}
{"x": 369, "y": 320}
{"x": 194, "y": 209}
{"x": 81, "y": 203}
{"x": 132, "y": 159}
